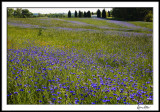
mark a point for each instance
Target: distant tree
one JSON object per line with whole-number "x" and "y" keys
{"x": 69, "y": 14}
{"x": 103, "y": 13}
{"x": 10, "y": 12}
{"x": 31, "y": 14}
{"x": 92, "y": 13}
{"x": 136, "y": 14}
{"x": 85, "y": 14}
{"x": 109, "y": 14}
{"x": 88, "y": 14}
{"x": 18, "y": 12}
{"x": 26, "y": 13}
{"x": 98, "y": 13}
{"x": 40, "y": 15}
{"x": 80, "y": 14}
{"x": 143, "y": 12}
{"x": 116, "y": 13}
{"x": 75, "y": 14}
{"x": 149, "y": 17}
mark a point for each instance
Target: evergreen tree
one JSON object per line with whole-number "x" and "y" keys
{"x": 85, "y": 14}
{"x": 88, "y": 14}
{"x": 80, "y": 14}
{"x": 98, "y": 13}
{"x": 103, "y": 13}
{"x": 92, "y": 13}
{"x": 75, "y": 14}
{"x": 109, "y": 14}
{"x": 69, "y": 14}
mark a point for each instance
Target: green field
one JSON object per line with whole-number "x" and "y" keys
{"x": 79, "y": 61}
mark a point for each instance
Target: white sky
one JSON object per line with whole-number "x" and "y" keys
{"x": 62, "y": 10}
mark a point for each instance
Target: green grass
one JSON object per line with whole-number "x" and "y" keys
{"x": 62, "y": 38}
{"x": 94, "y": 24}
{"x": 142, "y": 24}
{"x": 112, "y": 25}
{"x": 128, "y": 57}
{"x": 50, "y": 23}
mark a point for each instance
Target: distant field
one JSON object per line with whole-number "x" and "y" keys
{"x": 143, "y": 24}
{"x": 79, "y": 61}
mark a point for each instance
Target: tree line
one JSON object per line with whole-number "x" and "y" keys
{"x": 19, "y": 13}
{"x": 130, "y": 14}
{"x": 135, "y": 14}
{"x": 25, "y": 13}
{"x": 88, "y": 14}
{"x": 80, "y": 14}
{"x": 103, "y": 14}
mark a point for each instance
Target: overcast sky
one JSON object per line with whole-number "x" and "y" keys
{"x": 62, "y": 10}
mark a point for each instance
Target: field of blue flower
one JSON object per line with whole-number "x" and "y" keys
{"x": 79, "y": 61}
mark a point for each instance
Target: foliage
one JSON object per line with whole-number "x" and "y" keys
{"x": 75, "y": 14}
{"x": 10, "y": 12}
{"x": 85, "y": 14}
{"x": 89, "y": 14}
{"x": 26, "y": 13}
{"x": 149, "y": 17}
{"x": 69, "y": 14}
{"x": 109, "y": 14}
{"x": 18, "y": 13}
{"x": 103, "y": 13}
{"x": 98, "y": 13}
{"x": 136, "y": 14}
{"x": 92, "y": 13}
{"x": 80, "y": 14}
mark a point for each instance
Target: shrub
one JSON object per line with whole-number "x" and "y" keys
{"x": 149, "y": 17}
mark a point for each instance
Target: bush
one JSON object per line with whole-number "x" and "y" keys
{"x": 40, "y": 32}
{"x": 149, "y": 17}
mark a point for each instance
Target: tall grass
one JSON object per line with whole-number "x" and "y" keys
{"x": 87, "y": 23}
{"x": 49, "y": 66}
{"x": 143, "y": 24}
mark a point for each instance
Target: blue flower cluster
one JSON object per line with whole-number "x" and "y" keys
{"x": 51, "y": 76}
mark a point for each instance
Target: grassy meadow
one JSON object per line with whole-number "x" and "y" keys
{"x": 79, "y": 61}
